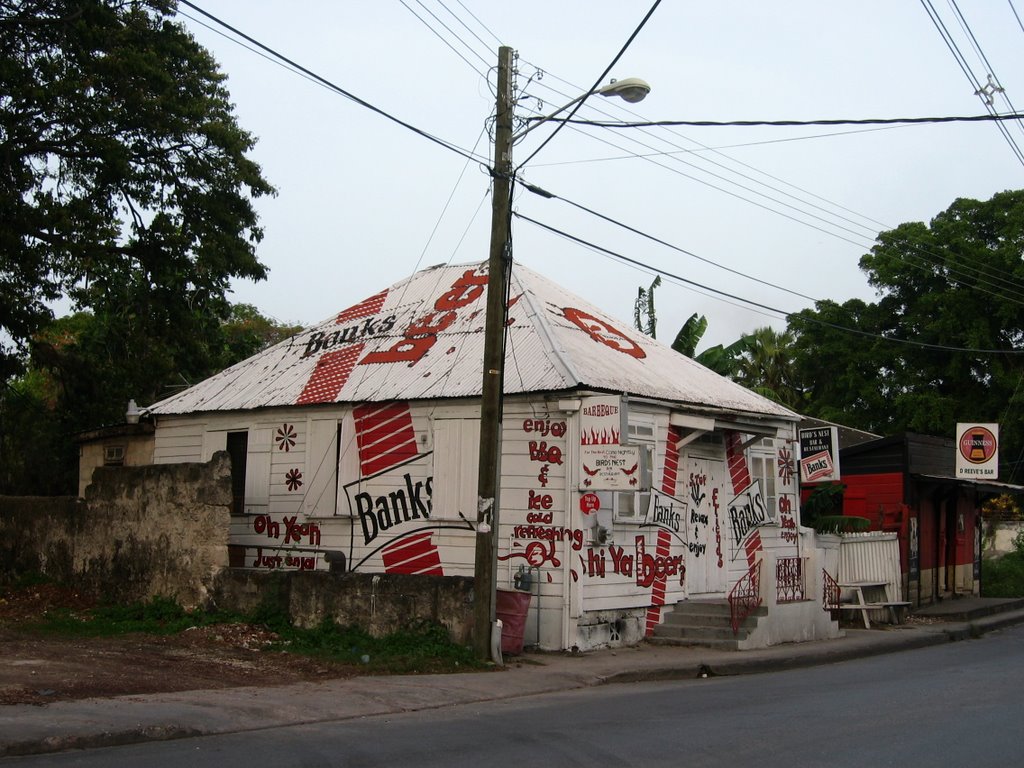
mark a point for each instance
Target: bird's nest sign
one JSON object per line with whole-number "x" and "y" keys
{"x": 606, "y": 464}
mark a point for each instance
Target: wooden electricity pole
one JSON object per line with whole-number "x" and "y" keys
{"x": 499, "y": 260}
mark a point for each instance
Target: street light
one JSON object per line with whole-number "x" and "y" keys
{"x": 499, "y": 264}
{"x": 632, "y": 89}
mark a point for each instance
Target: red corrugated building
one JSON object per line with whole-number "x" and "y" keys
{"x": 907, "y": 484}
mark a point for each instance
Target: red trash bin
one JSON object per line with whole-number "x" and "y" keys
{"x": 511, "y": 607}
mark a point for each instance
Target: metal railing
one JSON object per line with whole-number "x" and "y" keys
{"x": 745, "y": 596}
{"x": 789, "y": 579}
{"x": 829, "y": 592}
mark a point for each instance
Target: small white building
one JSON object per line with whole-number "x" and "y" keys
{"x": 632, "y": 478}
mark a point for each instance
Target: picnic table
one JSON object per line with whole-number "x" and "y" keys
{"x": 877, "y": 596}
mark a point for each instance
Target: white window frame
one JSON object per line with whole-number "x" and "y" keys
{"x": 762, "y": 457}
{"x": 632, "y": 506}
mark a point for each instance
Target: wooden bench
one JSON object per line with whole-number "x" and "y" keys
{"x": 879, "y": 588}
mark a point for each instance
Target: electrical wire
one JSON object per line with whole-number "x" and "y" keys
{"x": 1016, "y": 15}
{"x": 947, "y": 38}
{"x": 984, "y": 59}
{"x": 596, "y": 84}
{"x": 332, "y": 86}
{"x": 697, "y": 151}
{"x": 923, "y": 258}
{"x": 465, "y": 25}
{"x": 316, "y": 78}
{"x": 652, "y": 238}
{"x": 750, "y": 302}
{"x": 786, "y": 123}
{"x": 441, "y": 37}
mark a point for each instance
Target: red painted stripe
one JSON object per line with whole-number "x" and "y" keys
{"x": 416, "y": 554}
{"x": 365, "y": 308}
{"x": 738, "y": 470}
{"x": 669, "y": 476}
{"x": 385, "y": 436}
{"x": 753, "y": 546}
{"x": 330, "y": 375}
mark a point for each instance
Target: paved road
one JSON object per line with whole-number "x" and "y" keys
{"x": 949, "y": 705}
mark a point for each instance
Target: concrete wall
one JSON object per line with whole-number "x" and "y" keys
{"x": 378, "y": 603}
{"x": 999, "y": 538}
{"x": 140, "y": 532}
{"x": 163, "y": 530}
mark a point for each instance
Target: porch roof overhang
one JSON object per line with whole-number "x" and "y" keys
{"x": 989, "y": 486}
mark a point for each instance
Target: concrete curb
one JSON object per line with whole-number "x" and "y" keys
{"x": 92, "y": 724}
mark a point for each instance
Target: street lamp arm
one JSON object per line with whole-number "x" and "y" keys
{"x": 632, "y": 90}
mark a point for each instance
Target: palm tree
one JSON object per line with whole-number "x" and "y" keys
{"x": 721, "y": 360}
{"x": 766, "y": 366}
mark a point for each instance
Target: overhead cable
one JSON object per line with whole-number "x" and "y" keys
{"x": 990, "y": 118}
{"x": 332, "y": 86}
{"x": 750, "y": 302}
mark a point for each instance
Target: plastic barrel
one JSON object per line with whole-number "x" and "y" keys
{"x": 511, "y": 607}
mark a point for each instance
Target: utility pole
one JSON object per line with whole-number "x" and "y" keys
{"x": 488, "y": 487}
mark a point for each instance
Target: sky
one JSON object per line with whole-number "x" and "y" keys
{"x": 364, "y": 202}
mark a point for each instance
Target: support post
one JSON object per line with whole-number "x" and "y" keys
{"x": 488, "y": 486}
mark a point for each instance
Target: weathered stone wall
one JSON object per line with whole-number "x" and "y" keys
{"x": 162, "y": 530}
{"x": 379, "y": 603}
{"x": 140, "y": 532}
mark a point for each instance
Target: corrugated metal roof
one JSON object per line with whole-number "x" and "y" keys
{"x": 423, "y": 338}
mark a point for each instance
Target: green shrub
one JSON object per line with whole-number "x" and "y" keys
{"x": 841, "y": 524}
{"x": 1004, "y": 576}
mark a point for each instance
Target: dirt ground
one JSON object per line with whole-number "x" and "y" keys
{"x": 39, "y": 669}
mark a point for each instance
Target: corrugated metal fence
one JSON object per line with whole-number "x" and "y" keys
{"x": 873, "y": 556}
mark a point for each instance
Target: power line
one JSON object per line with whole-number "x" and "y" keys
{"x": 954, "y": 49}
{"x": 332, "y": 86}
{"x": 989, "y": 118}
{"x": 923, "y": 259}
{"x": 758, "y": 305}
{"x": 997, "y": 86}
{"x": 442, "y": 38}
{"x": 308, "y": 74}
{"x": 596, "y": 84}
{"x": 717, "y": 149}
{"x": 652, "y": 238}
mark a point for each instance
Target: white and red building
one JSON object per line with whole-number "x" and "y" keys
{"x": 631, "y": 477}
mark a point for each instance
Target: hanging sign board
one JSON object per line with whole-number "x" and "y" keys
{"x": 610, "y": 468}
{"x": 977, "y": 451}
{"x": 819, "y": 455}
{"x": 602, "y": 419}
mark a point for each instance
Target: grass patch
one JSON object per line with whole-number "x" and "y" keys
{"x": 1003, "y": 576}
{"x": 159, "y": 616}
{"x": 423, "y": 647}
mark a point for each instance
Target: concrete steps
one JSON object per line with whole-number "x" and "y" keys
{"x": 706, "y": 623}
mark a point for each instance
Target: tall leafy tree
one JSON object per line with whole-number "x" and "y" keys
{"x": 723, "y": 360}
{"x": 76, "y": 380}
{"x": 124, "y": 181}
{"x": 956, "y": 283}
{"x": 765, "y": 365}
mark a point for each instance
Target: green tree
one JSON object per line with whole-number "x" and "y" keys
{"x": 955, "y": 283}
{"x": 644, "y": 318}
{"x": 78, "y": 379}
{"x": 765, "y": 365}
{"x": 247, "y": 332}
{"x": 723, "y": 360}
{"x": 124, "y": 181}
